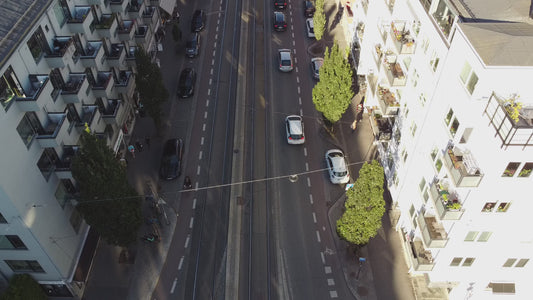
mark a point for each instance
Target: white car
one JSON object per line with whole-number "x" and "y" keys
{"x": 337, "y": 167}
{"x": 310, "y": 26}
{"x": 285, "y": 60}
{"x": 316, "y": 63}
{"x": 295, "y": 130}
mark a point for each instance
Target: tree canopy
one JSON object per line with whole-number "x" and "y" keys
{"x": 150, "y": 86}
{"x": 333, "y": 93}
{"x": 364, "y": 206}
{"x": 107, "y": 202}
{"x": 22, "y": 287}
{"x": 319, "y": 19}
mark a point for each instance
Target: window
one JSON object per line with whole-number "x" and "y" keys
{"x": 502, "y": 288}
{"x": 468, "y": 261}
{"x": 404, "y": 155}
{"x": 484, "y": 237}
{"x": 23, "y": 266}
{"x": 488, "y": 207}
{"x": 426, "y": 196}
{"x": 10, "y": 88}
{"x": 434, "y": 152}
{"x": 471, "y": 236}
{"x": 422, "y": 184}
{"x": 466, "y": 135}
{"x": 454, "y": 127}
{"x": 438, "y": 165}
{"x": 526, "y": 170}
{"x": 2, "y": 219}
{"x": 456, "y": 261}
{"x": 423, "y": 99}
{"x": 503, "y": 207}
{"x": 8, "y": 242}
{"x": 37, "y": 44}
{"x": 415, "y": 78}
{"x": 413, "y": 128}
{"x": 521, "y": 263}
{"x": 75, "y": 220}
{"x": 434, "y": 61}
{"x": 65, "y": 191}
{"x": 509, "y": 262}
{"x": 47, "y": 162}
{"x": 61, "y": 11}
{"x": 510, "y": 170}
{"x": 448, "y": 117}
{"x": 468, "y": 77}
{"x": 29, "y": 127}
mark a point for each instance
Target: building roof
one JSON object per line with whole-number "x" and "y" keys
{"x": 18, "y": 18}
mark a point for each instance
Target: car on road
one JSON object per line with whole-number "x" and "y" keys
{"x": 198, "y": 20}
{"x": 280, "y": 4}
{"x": 309, "y": 9}
{"x": 295, "y": 130}
{"x": 186, "y": 83}
{"x": 337, "y": 167}
{"x": 316, "y": 63}
{"x": 279, "y": 21}
{"x": 192, "y": 46}
{"x": 171, "y": 160}
{"x": 310, "y": 27}
{"x": 285, "y": 60}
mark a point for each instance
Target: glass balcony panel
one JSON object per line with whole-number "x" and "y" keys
{"x": 462, "y": 168}
{"x": 136, "y": 8}
{"x": 63, "y": 165}
{"x": 447, "y": 204}
{"x": 37, "y": 94}
{"x": 118, "y": 6}
{"x": 142, "y": 35}
{"x": 150, "y": 15}
{"x": 74, "y": 88}
{"x": 126, "y": 30}
{"x": 125, "y": 83}
{"x": 433, "y": 233}
{"x": 107, "y": 26}
{"x": 117, "y": 55}
{"x": 103, "y": 85}
{"x": 94, "y": 55}
{"x": 53, "y": 131}
{"x": 61, "y": 52}
{"x": 81, "y": 20}
{"x": 114, "y": 112}
{"x": 421, "y": 259}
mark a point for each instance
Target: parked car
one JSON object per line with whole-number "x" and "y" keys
{"x": 171, "y": 160}
{"x": 192, "y": 46}
{"x": 337, "y": 167}
{"x": 310, "y": 27}
{"x": 198, "y": 20}
{"x": 280, "y": 4}
{"x": 186, "y": 83}
{"x": 285, "y": 60}
{"x": 295, "y": 130}
{"x": 309, "y": 9}
{"x": 279, "y": 21}
{"x": 316, "y": 63}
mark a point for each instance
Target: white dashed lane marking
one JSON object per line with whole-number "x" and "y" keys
{"x": 207, "y": 101}
{"x": 191, "y": 222}
{"x": 308, "y": 182}
{"x": 203, "y": 127}
{"x": 327, "y": 269}
{"x": 331, "y": 281}
{"x": 306, "y": 167}
{"x": 181, "y": 263}
{"x": 318, "y": 236}
{"x": 194, "y": 203}
{"x": 198, "y": 170}
{"x": 333, "y": 294}
{"x": 314, "y": 217}
{"x": 202, "y": 141}
{"x": 187, "y": 242}
{"x": 200, "y": 155}
{"x": 311, "y": 198}
{"x": 322, "y": 257}
{"x": 205, "y": 115}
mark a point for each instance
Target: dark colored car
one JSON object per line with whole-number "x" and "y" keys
{"x": 186, "y": 83}
{"x": 192, "y": 46}
{"x": 198, "y": 20}
{"x": 309, "y": 9}
{"x": 171, "y": 159}
{"x": 280, "y": 4}
{"x": 279, "y": 21}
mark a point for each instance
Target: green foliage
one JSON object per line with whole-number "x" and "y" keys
{"x": 22, "y": 287}
{"x": 513, "y": 108}
{"x": 333, "y": 93}
{"x": 176, "y": 32}
{"x": 364, "y": 206}
{"x": 150, "y": 86}
{"x": 319, "y": 19}
{"x": 107, "y": 201}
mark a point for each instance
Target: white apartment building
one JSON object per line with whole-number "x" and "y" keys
{"x": 65, "y": 65}
{"x": 441, "y": 75}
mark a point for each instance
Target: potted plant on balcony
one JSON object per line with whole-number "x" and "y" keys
{"x": 453, "y": 205}
{"x": 513, "y": 107}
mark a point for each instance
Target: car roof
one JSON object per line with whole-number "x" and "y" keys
{"x": 285, "y": 53}
{"x": 310, "y": 22}
{"x": 317, "y": 61}
{"x": 295, "y": 124}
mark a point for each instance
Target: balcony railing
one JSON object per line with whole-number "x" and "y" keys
{"x": 36, "y": 95}
{"x": 126, "y": 30}
{"x": 462, "y": 167}
{"x": 447, "y": 205}
{"x": 87, "y": 117}
{"x": 103, "y": 84}
{"x": 94, "y": 55}
{"x": 135, "y": 8}
{"x": 125, "y": 83}
{"x": 118, "y": 6}
{"x": 130, "y": 56}
{"x": 82, "y": 18}
{"x": 112, "y": 113}
{"x": 150, "y": 15}
{"x": 142, "y": 35}
{"x": 116, "y": 56}
{"x": 63, "y": 165}
{"x": 421, "y": 259}
{"x": 62, "y": 51}
{"x": 72, "y": 91}
{"x": 433, "y": 232}
{"x": 395, "y": 74}
{"x": 382, "y": 127}
{"x": 107, "y": 25}
{"x": 402, "y": 39}
{"x": 388, "y": 101}
{"x": 53, "y": 131}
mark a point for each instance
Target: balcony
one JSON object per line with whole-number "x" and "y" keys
{"x": 36, "y": 96}
{"x": 512, "y": 121}
{"x": 402, "y": 39}
{"x": 447, "y": 204}
{"x": 126, "y": 30}
{"x": 89, "y": 113}
{"x": 142, "y": 35}
{"x": 81, "y": 20}
{"x": 388, "y": 101}
{"x": 74, "y": 88}
{"x": 53, "y": 131}
{"x": 150, "y": 15}
{"x": 116, "y": 56}
{"x": 125, "y": 83}
{"x": 433, "y": 233}
{"x": 114, "y": 112}
{"x": 378, "y": 55}
{"x": 94, "y": 55}
{"x": 130, "y": 57}
{"x": 421, "y": 259}
{"x": 63, "y": 165}
{"x": 135, "y": 8}
{"x": 103, "y": 85}
{"x": 63, "y": 50}
{"x": 381, "y": 127}
{"x": 107, "y": 25}
{"x": 395, "y": 73}
{"x": 462, "y": 167}
{"x": 118, "y": 6}
{"x": 155, "y": 2}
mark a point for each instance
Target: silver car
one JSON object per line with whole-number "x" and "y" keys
{"x": 285, "y": 60}
{"x": 295, "y": 130}
{"x": 316, "y": 63}
{"x": 337, "y": 167}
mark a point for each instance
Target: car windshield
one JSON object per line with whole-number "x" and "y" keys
{"x": 340, "y": 174}
{"x": 285, "y": 62}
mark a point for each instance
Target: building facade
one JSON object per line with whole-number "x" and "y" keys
{"x": 452, "y": 113}
{"x": 67, "y": 66}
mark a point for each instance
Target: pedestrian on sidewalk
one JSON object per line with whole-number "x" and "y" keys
{"x": 131, "y": 149}
{"x": 139, "y": 145}
{"x": 354, "y": 125}
{"x": 147, "y": 141}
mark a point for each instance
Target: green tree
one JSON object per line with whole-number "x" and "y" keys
{"x": 150, "y": 86}
{"x": 364, "y": 206}
{"x": 22, "y": 287}
{"x": 107, "y": 202}
{"x": 333, "y": 93}
{"x": 319, "y": 20}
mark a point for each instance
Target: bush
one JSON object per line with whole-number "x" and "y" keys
{"x": 23, "y": 287}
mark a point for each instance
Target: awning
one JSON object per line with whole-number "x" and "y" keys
{"x": 167, "y": 5}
